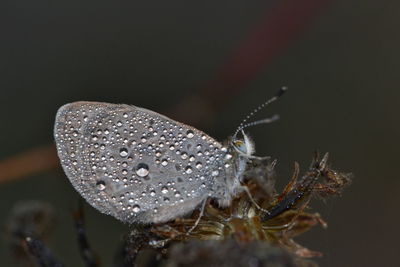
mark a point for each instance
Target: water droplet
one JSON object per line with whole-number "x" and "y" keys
{"x": 164, "y": 190}
{"x": 123, "y": 152}
{"x": 142, "y": 170}
{"x": 188, "y": 170}
{"x": 184, "y": 155}
{"x": 101, "y": 185}
{"x": 132, "y": 143}
{"x": 199, "y": 165}
{"x": 228, "y": 156}
{"x": 189, "y": 134}
{"x": 136, "y": 208}
{"x": 215, "y": 173}
{"x": 164, "y": 162}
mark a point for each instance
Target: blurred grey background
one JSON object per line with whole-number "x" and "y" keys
{"x": 342, "y": 68}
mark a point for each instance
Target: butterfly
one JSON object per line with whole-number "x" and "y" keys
{"x": 142, "y": 167}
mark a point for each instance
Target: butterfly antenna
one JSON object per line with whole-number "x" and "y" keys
{"x": 243, "y": 124}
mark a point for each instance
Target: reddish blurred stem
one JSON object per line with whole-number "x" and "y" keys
{"x": 29, "y": 162}
{"x": 278, "y": 28}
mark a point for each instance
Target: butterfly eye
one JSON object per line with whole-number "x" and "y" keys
{"x": 240, "y": 145}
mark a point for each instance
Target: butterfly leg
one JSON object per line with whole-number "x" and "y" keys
{"x": 203, "y": 205}
{"x": 161, "y": 243}
{"x": 246, "y": 189}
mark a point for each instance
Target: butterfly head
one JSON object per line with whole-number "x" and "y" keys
{"x": 245, "y": 146}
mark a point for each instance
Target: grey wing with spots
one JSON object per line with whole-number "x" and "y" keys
{"x": 135, "y": 164}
